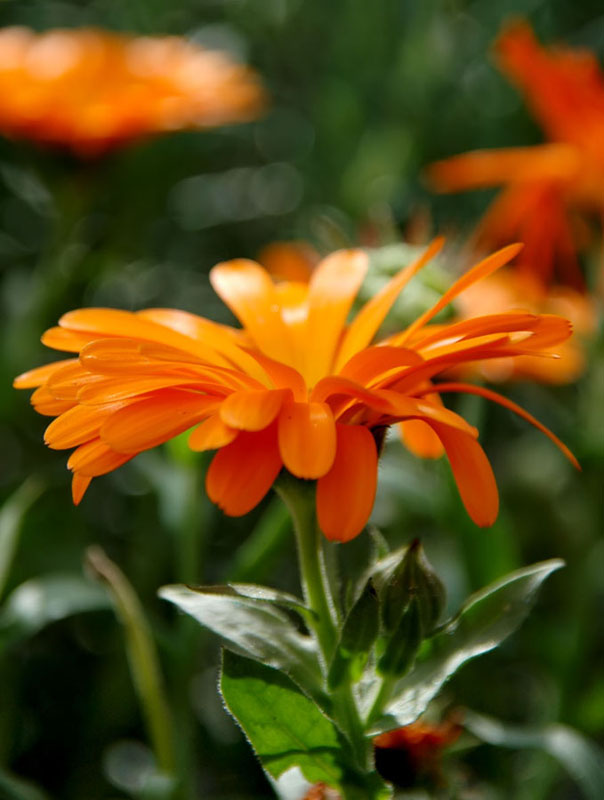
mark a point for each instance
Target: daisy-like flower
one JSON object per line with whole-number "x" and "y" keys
{"x": 91, "y": 90}
{"x": 295, "y": 388}
{"x": 550, "y": 190}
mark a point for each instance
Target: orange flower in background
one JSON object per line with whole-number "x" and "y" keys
{"x": 508, "y": 290}
{"x": 91, "y": 91}
{"x": 550, "y": 190}
{"x": 408, "y": 756}
{"x": 296, "y": 387}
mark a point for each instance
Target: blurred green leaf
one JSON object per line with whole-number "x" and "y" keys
{"x": 12, "y": 788}
{"x": 284, "y": 727}
{"x": 49, "y": 598}
{"x": 257, "y": 628}
{"x": 11, "y": 518}
{"x": 485, "y": 620}
{"x": 582, "y": 759}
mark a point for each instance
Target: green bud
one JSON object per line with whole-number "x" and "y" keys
{"x": 401, "y": 647}
{"x": 359, "y": 632}
{"x": 412, "y": 579}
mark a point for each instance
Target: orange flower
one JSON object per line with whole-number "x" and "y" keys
{"x": 407, "y": 756}
{"x": 91, "y": 91}
{"x": 548, "y": 187}
{"x": 508, "y": 290}
{"x": 296, "y": 388}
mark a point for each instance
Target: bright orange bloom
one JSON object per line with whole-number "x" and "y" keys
{"x": 508, "y": 290}
{"x": 91, "y": 90}
{"x": 548, "y": 187}
{"x": 298, "y": 387}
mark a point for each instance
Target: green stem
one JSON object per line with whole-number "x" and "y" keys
{"x": 382, "y": 697}
{"x": 142, "y": 656}
{"x": 300, "y": 499}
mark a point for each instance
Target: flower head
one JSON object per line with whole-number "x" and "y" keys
{"x": 548, "y": 187}
{"x": 90, "y": 90}
{"x": 295, "y": 388}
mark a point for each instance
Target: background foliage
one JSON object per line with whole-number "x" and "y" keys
{"x": 364, "y": 95}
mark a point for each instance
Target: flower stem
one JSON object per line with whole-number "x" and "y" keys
{"x": 142, "y": 656}
{"x": 300, "y": 500}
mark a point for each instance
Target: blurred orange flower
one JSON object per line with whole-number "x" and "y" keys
{"x": 91, "y": 90}
{"x": 407, "y": 756}
{"x": 296, "y": 387}
{"x": 552, "y": 189}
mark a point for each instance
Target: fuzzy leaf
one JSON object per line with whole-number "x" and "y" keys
{"x": 485, "y": 620}
{"x": 255, "y": 627}
{"x": 285, "y": 728}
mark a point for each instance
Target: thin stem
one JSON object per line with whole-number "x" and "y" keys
{"x": 382, "y": 697}
{"x": 142, "y": 656}
{"x": 299, "y": 498}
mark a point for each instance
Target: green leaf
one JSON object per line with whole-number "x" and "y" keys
{"x": 12, "y": 788}
{"x": 259, "y": 629}
{"x": 485, "y": 620}
{"x": 582, "y": 759}
{"x": 11, "y": 518}
{"x": 285, "y": 728}
{"x": 252, "y": 591}
{"x": 41, "y": 601}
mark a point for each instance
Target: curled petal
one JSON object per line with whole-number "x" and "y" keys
{"x": 147, "y": 423}
{"x": 307, "y": 439}
{"x": 39, "y": 376}
{"x": 472, "y": 472}
{"x": 78, "y": 425}
{"x": 211, "y": 434}
{"x": 345, "y": 495}
{"x": 242, "y": 473}
{"x": 96, "y": 458}
{"x": 419, "y": 438}
{"x": 253, "y": 410}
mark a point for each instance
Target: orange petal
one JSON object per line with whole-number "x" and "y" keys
{"x": 78, "y": 425}
{"x": 476, "y": 273}
{"x": 147, "y": 423}
{"x": 472, "y": 472}
{"x": 419, "y": 438}
{"x": 252, "y": 411}
{"x": 495, "y": 397}
{"x": 212, "y": 434}
{"x": 38, "y": 376}
{"x": 374, "y": 363}
{"x": 332, "y": 289}
{"x": 248, "y": 291}
{"x": 307, "y": 439}
{"x": 484, "y": 168}
{"x": 47, "y": 404}
{"x": 96, "y": 458}
{"x": 367, "y": 322}
{"x": 63, "y": 339}
{"x": 242, "y": 472}
{"x": 221, "y": 339}
{"x": 345, "y": 495}
{"x": 79, "y": 484}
